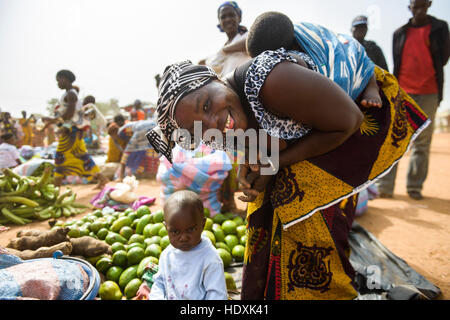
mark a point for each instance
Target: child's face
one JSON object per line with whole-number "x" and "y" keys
{"x": 184, "y": 227}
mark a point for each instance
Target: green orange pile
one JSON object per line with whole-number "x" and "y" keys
{"x": 138, "y": 237}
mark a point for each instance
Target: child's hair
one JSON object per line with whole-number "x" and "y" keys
{"x": 270, "y": 31}
{"x": 66, "y": 74}
{"x": 89, "y": 99}
{"x": 184, "y": 198}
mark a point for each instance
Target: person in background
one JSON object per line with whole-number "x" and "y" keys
{"x": 233, "y": 53}
{"x": 26, "y": 128}
{"x": 95, "y": 118}
{"x": 116, "y": 145}
{"x": 140, "y": 114}
{"x": 72, "y": 158}
{"x": 138, "y": 158}
{"x": 9, "y": 155}
{"x": 38, "y": 129}
{"x": 8, "y": 125}
{"x": 359, "y": 31}
{"x": 421, "y": 49}
{"x": 190, "y": 267}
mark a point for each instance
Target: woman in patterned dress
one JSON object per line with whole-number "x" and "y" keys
{"x": 331, "y": 148}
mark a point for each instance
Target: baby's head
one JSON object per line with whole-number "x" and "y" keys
{"x": 270, "y": 31}
{"x": 184, "y": 219}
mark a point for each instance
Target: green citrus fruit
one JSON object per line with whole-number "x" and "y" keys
{"x": 154, "y": 229}
{"x": 136, "y": 238}
{"x": 239, "y": 221}
{"x": 162, "y": 232}
{"x": 158, "y": 216}
{"x": 219, "y": 218}
{"x": 241, "y": 231}
{"x": 153, "y": 250}
{"x": 114, "y": 273}
{"x": 223, "y": 246}
{"x": 142, "y": 211}
{"x": 225, "y": 256}
{"x": 126, "y": 232}
{"x": 120, "y": 259}
{"x": 133, "y": 216}
{"x": 208, "y": 224}
{"x": 104, "y": 264}
{"x": 206, "y": 212}
{"x": 231, "y": 284}
{"x": 109, "y": 290}
{"x": 127, "y": 275}
{"x": 229, "y": 227}
{"x": 218, "y": 233}
{"x": 136, "y": 244}
{"x": 238, "y": 252}
{"x": 243, "y": 240}
{"x": 74, "y": 232}
{"x": 97, "y": 213}
{"x": 135, "y": 255}
{"x": 154, "y": 239}
{"x": 102, "y": 233}
{"x": 210, "y": 236}
{"x": 164, "y": 242}
{"x": 132, "y": 288}
{"x": 231, "y": 240}
{"x": 116, "y": 246}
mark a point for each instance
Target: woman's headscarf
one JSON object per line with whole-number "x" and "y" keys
{"x": 178, "y": 80}
{"x": 238, "y": 10}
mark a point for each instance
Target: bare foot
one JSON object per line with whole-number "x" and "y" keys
{"x": 371, "y": 97}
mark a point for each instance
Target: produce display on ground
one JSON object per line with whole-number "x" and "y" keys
{"x": 24, "y": 199}
{"x": 137, "y": 237}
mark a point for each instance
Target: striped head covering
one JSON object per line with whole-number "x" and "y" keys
{"x": 178, "y": 80}
{"x": 238, "y": 10}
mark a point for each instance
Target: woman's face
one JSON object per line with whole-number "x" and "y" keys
{"x": 215, "y": 105}
{"x": 229, "y": 20}
{"x": 62, "y": 82}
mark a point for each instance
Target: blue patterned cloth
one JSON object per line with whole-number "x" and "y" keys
{"x": 137, "y": 130}
{"x": 339, "y": 57}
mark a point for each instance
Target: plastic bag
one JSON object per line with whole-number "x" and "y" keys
{"x": 124, "y": 191}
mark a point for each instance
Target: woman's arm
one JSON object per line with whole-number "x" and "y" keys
{"x": 236, "y": 47}
{"x": 71, "y": 100}
{"x": 312, "y": 99}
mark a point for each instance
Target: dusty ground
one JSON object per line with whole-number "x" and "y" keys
{"x": 416, "y": 231}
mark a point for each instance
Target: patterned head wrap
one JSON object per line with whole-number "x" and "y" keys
{"x": 238, "y": 10}
{"x": 178, "y": 80}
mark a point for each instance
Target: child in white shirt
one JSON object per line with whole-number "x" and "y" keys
{"x": 9, "y": 155}
{"x": 190, "y": 267}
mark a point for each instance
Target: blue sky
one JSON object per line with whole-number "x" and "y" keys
{"x": 115, "y": 47}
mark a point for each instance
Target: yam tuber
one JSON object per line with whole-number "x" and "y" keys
{"x": 43, "y": 252}
{"x": 89, "y": 247}
{"x": 29, "y": 233}
{"x": 45, "y": 239}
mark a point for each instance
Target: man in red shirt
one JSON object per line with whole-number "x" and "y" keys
{"x": 421, "y": 50}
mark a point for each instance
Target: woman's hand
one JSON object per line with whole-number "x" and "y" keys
{"x": 251, "y": 182}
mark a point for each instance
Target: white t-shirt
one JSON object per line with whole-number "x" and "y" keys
{"x": 196, "y": 274}
{"x": 8, "y": 155}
